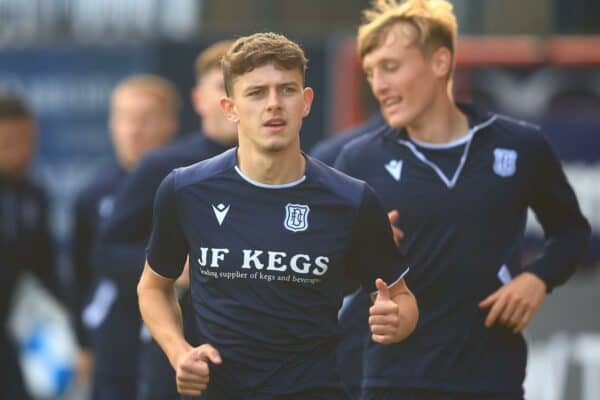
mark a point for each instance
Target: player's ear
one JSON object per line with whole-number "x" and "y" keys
{"x": 196, "y": 98}
{"x": 309, "y": 95}
{"x": 228, "y": 108}
{"x": 441, "y": 61}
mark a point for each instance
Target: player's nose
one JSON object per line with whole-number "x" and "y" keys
{"x": 379, "y": 84}
{"x": 273, "y": 100}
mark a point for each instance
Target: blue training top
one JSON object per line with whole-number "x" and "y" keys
{"x": 463, "y": 222}
{"x": 268, "y": 265}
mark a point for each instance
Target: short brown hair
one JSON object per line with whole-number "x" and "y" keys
{"x": 13, "y": 107}
{"x": 434, "y": 23}
{"x": 158, "y": 86}
{"x": 210, "y": 58}
{"x": 250, "y": 52}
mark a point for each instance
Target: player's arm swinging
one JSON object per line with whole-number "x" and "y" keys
{"x": 162, "y": 315}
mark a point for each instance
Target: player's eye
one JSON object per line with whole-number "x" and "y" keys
{"x": 390, "y": 66}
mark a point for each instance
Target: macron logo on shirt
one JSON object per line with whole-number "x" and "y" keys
{"x": 220, "y": 211}
{"x": 394, "y": 167}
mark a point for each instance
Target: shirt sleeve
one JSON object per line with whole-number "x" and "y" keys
{"x": 373, "y": 253}
{"x": 566, "y": 230}
{"x": 167, "y": 248}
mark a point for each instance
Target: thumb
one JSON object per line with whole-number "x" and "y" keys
{"x": 208, "y": 353}
{"x": 393, "y": 216}
{"x": 383, "y": 292}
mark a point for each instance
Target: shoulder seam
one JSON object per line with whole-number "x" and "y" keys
{"x": 202, "y": 179}
{"x": 339, "y": 175}
{"x": 522, "y": 123}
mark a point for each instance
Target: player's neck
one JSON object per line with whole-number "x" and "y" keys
{"x": 442, "y": 122}
{"x": 277, "y": 168}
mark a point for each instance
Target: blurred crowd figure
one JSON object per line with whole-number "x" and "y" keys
{"x": 120, "y": 248}
{"x": 112, "y": 222}
{"x": 143, "y": 117}
{"x": 25, "y": 241}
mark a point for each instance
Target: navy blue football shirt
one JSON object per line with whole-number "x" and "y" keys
{"x": 463, "y": 222}
{"x": 268, "y": 265}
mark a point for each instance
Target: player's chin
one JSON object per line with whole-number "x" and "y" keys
{"x": 398, "y": 119}
{"x": 275, "y": 146}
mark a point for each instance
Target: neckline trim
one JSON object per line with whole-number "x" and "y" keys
{"x": 450, "y": 183}
{"x": 266, "y": 185}
{"x": 442, "y": 146}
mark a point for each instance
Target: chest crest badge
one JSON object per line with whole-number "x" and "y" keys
{"x": 505, "y": 162}
{"x": 296, "y": 217}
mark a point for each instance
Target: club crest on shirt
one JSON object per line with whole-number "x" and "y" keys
{"x": 394, "y": 167}
{"x": 296, "y": 217}
{"x": 505, "y": 162}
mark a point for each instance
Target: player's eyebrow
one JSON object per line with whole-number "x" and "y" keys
{"x": 278, "y": 85}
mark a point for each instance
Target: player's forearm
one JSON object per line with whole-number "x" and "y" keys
{"x": 408, "y": 313}
{"x": 162, "y": 315}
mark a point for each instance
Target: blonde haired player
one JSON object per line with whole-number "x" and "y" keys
{"x": 461, "y": 180}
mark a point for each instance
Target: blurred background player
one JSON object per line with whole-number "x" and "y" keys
{"x": 121, "y": 248}
{"x": 25, "y": 241}
{"x": 352, "y": 324}
{"x": 462, "y": 180}
{"x": 143, "y": 117}
{"x": 329, "y": 149}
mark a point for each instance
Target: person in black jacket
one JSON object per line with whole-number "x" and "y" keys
{"x": 143, "y": 117}
{"x": 121, "y": 246}
{"x": 25, "y": 241}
